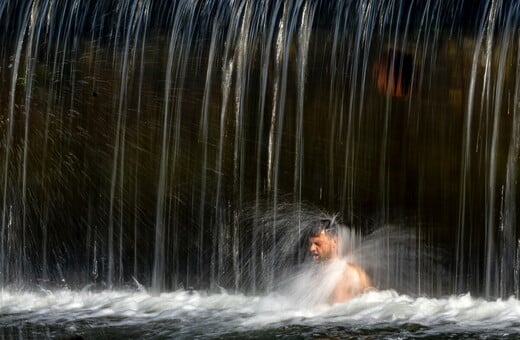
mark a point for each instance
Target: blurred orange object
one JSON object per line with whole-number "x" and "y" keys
{"x": 393, "y": 73}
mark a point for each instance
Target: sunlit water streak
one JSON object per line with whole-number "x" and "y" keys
{"x": 185, "y": 314}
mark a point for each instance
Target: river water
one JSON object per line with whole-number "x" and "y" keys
{"x": 134, "y": 314}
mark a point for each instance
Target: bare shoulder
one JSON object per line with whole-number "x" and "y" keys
{"x": 354, "y": 281}
{"x": 357, "y": 276}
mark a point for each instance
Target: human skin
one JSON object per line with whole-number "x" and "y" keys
{"x": 323, "y": 247}
{"x": 354, "y": 280}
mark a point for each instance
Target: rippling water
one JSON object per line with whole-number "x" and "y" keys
{"x": 184, "y": 314}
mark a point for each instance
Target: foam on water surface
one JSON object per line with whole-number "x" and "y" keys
{"x": 186, "y": 313}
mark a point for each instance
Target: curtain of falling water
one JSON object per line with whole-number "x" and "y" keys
{"x": 268, "y": 25}
{"x": 204, "y": 136}
{"x": 305, "y": 30}
{"x": 222, "y": 239}
{"x": 130, "y": 21}
{"x": 162, "y": 140}
{"x": 6, "y": 216}
{"x": 490, "y": 97}
{"x": 510, "y": 269}
{"x": 283, "y": 43}
{"x": 179, "y": 50}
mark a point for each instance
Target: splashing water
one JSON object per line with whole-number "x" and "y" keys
{"x": 185, "y": 314}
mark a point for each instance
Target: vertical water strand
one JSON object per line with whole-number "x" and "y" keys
{"x": 271, "y": 187}
{"x": 121, "y": 130}
{"x": 67, "y": 108}
{"x": 122, "y": 112}
{"x": 490, "y": 178}
{"x": 466, "y": 165}
{"x": 135, "y": 20}
{"x": 242, "y": 58}
{"x": 429, "y": 19}
{"x": 125, "y": 14}
{"x": 393, "y": 14}
{"x": 415, "y": 244}
{"x": 268, "y": 28}
{"x": 3, "y": 247}
{"x": 304, "y": 34}
{"x": 367, "y": 26}
{"x": 361, "y": 55}
{"x": 422, "y": 33}
{"x": 340, "y": 55}
{"x": 57, "y": 34}
{"x": 29, "y": 69}
{"x": 6, "y": 206}
{"x": 218, "y": 240}
{"x": 80, "y": 13}
{"x": 97, "y": 37}
{"x": 286, "y": 32}
{"x": 510, "y": 254}
{"x": 275, "y": 85}
{"x": 386, "y": 15}
{"x": 2, "y": 8}
{"x": 202, "y": 141}
{"x": 304, "y": 37}
{"x": 485, "y": 100}
{"x": 404, "y": 43}
{"x": 215, "y": 38}
{"x": 348, "y": 178}
{"x": 495, "y": 279}
{"x": 165, "y": 254}
{"x": 134, "y": 29}
{"x": 141, "y": 26}
{"x": 90, "y": 236}
{"x": 338, "y": 28}
{"x": 179, "y": 50}
{"x": 68, "y": 39}
{"x": 158, "y": 266}
{"x": 81, "y": 28}
{"x": 435, "y": 26}
{"x": 95, "y": 31}
{"x": 256, "y": 33}
{"x": 115, "y": 157}
{"x": 516, "y": 270}
{"x": 186, "y": 25}
{"x": 228, "y": 67}
{"x": 418, "y": 243}
{"x": 32, "y": 47}
{"x": 50, "y": 85}
{"x": 456, "y": 16}
{"x": 414, "y": 130}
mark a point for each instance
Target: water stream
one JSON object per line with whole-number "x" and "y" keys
{"x": 189, "y": 145}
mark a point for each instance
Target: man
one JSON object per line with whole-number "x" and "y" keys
{"x": 324, "y": 249}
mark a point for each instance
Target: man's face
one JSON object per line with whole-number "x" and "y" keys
{"x": 323, "y": 247}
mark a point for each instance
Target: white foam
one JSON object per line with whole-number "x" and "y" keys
{"x": 236, "y": 311}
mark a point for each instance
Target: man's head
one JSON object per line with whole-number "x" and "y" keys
{"x": 323, "y": 241}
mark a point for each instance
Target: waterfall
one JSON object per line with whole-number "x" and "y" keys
{"x": 190, "y": 144}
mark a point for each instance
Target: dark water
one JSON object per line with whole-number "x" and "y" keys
{"x": 411, "y": 331}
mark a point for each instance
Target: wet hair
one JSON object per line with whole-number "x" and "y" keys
{"x": 326, "y": 225}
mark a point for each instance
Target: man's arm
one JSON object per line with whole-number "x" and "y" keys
{"x": 354, "y": 281}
